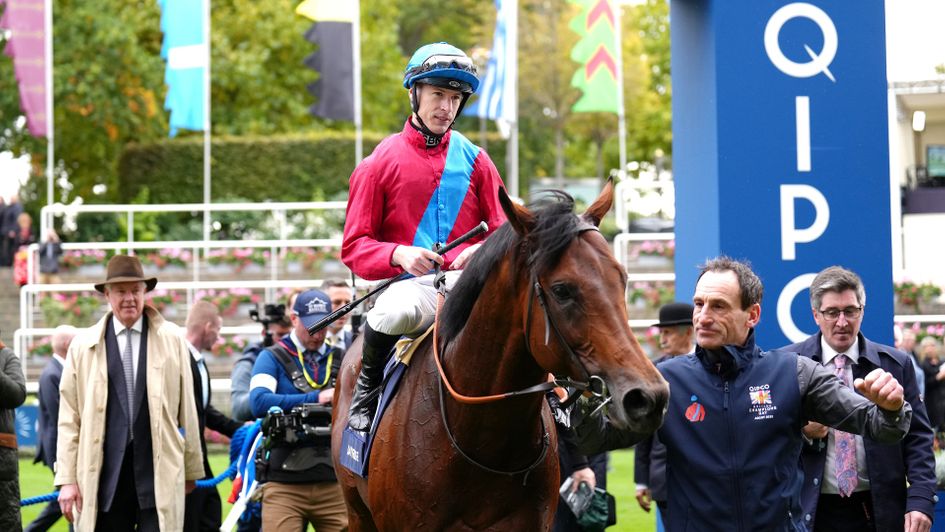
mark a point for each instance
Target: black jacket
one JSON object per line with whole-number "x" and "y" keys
{"x": 889, "y": 466}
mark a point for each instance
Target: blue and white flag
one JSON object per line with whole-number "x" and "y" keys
{"x": 186, "y": 53}
{"x": 497, "y": 93}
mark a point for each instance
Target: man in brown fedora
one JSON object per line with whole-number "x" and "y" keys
{"x": 128, "y": 447}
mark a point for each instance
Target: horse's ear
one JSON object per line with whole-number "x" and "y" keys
{"x": 595, "y": 213}
{"x": 519, "y": 217}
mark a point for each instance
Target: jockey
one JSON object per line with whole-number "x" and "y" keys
{"x": 427, "y": 184}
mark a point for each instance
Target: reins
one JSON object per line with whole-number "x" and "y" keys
{"x": 594, "y": 384}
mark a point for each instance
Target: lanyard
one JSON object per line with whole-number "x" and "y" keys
{"x": 311, "y": 382}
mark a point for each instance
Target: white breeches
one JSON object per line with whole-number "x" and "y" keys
{"x": 408, "y": 307}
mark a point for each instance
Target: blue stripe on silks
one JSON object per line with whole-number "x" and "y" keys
{"x": 446, "y": 201}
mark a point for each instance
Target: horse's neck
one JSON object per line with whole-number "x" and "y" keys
{"x": 489, "y": 355}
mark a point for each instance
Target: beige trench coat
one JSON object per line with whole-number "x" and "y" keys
{"x": 84, "y": 394}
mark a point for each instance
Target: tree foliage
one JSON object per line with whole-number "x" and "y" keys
{"x": 109, "y": 89}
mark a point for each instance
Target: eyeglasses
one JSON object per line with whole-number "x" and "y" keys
{"x": 833, "y": 314}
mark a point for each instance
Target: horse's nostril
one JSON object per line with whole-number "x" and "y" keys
{"x": 636, "y": 403}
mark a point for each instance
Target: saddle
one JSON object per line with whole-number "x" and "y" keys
{"x": 356, "y": 445}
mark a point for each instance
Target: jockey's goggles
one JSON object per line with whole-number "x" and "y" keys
{"x": 438, "y": 62}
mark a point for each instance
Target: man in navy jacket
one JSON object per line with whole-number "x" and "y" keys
{"x": 895, "y": 485}
{"x": 49, "y": 418}
{"x": 732, "y": 429}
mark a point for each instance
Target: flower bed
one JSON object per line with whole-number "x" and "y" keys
{"x": 650, "y": 294}
{"x": 79, "y": 309}
{"x": 915, "y": 295}
{"x": 229, "y": 346}
{"x": 936, "y": 331}
{"x": 228, "y": 301}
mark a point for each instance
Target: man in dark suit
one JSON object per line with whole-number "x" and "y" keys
{"x": 677, "y": 337}
{"x": 49, "y": 418}
{"x": 853, "y": 483}
{"x": 202, "y": 506}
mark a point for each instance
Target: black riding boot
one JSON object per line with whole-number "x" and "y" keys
{"x": 373, "y": 357}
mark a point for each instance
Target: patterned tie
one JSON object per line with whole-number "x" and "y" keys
{"x": 844, "y": 444}
{"x": 126, "y": 361}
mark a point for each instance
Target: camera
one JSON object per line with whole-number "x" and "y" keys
{"x": 306, "y": 423}
{"x": 272, "y": 313}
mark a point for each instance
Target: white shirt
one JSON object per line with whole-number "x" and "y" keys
{"x": 59, "y": 359}
{"x": 829, "y": 484}
{"x": 121, "y": 333}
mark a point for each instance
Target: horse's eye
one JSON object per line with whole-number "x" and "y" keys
{"x": 561, "y": 292}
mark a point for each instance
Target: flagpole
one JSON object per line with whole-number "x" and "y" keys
{"x": 511, "y": 51}
{"x": 206, "y": 123}
{"x": 356, "y": 63}
{"x": 50, "y": 118}
{"x": 621, "y": 113}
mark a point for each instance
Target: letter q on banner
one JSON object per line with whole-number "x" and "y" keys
{"x": 819, "y": 63}
{"x": 791, "y": 235}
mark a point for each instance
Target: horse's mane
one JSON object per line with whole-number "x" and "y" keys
{"x": 555, "y": 227}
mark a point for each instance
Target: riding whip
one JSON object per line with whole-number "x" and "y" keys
{"x": 327, "y": 320}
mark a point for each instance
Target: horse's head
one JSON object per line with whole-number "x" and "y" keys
{"x": 576, "y": 323}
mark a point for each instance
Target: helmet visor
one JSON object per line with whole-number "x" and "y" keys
{"x": 437, "y": 62}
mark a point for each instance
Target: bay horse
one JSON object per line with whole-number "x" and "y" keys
{"x": 543, "y": 295}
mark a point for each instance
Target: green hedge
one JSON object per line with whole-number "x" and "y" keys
{"x": 277, "y": 168}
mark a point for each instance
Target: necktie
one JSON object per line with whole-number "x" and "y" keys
{"x": 844, "y": 444}
{"x": 126, "y": 361}
{"x": 204, "y": 381}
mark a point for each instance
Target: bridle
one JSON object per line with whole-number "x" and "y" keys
{"x": 592, "y": 383}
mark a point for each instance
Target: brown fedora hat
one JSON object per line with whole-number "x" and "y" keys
{"x": 125, "y": 269}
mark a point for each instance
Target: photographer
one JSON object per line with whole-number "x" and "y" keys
{"x": 300, "y": 482}
{"x": 275, "y": 325}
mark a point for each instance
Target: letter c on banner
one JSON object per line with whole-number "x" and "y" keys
{"x": 788, "y": 293}
{"x": 791, "y": 235}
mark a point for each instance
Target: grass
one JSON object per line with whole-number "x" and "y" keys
{"x": 36, "y": 479}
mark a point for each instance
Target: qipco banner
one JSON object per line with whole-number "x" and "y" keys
{"x": 781, "y": 150}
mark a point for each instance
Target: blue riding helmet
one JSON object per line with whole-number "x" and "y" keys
{"x": 443, "y": 65}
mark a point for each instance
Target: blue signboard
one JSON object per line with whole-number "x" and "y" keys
{"x": 780, "y": 150}
{"x": 27, "y": 423}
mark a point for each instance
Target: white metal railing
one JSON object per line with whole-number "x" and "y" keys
{"x": 278, "y": 209}
{"x": 189, "y": 287}
{"x": 196, "y": 246}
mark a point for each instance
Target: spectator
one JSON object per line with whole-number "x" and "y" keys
{"x": 24, "y": 230}
{"x": 22, "y": 240}
{"x": 930, "y": 352}
{"x": 202, "y": 510}
{"x": 9, "y": 227}
{"x": 49, "y": 419}
{"x": 49, "y": 253}
{"x": 129, "y": 443}
{"x": 590, "y": 470}
{"x": 853, "y": 482}
{"x": 340, "y": 294}
{"x": 12, "y": 395}
{"x": 299, "y": 369}
{"x": 733, "y": 426}
{"x": 649, "y": 457}
{"x": 242, "y": 373}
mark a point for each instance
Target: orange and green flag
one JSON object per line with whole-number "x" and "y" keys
{"x": 595, "y": 51}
